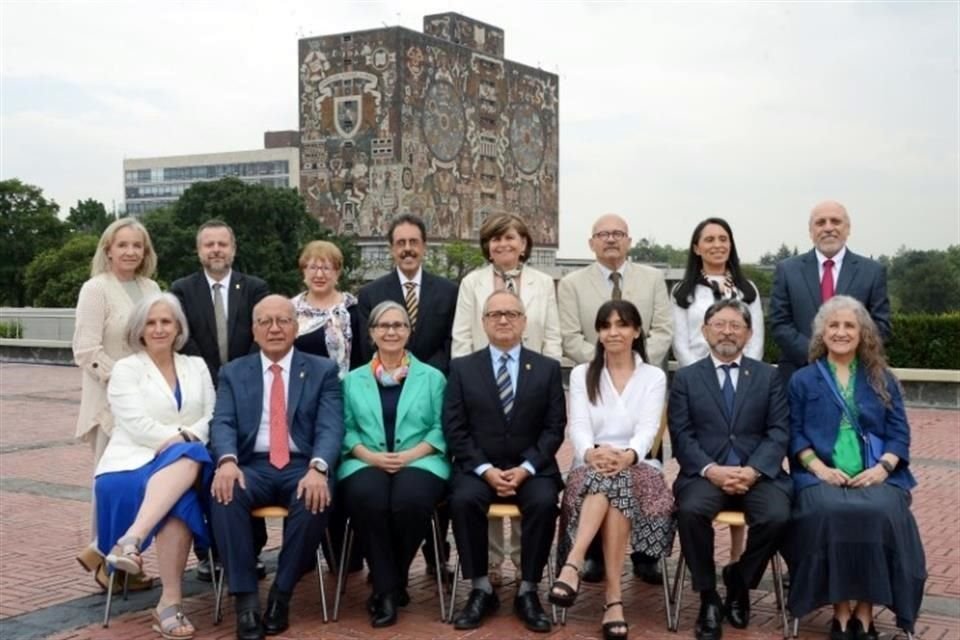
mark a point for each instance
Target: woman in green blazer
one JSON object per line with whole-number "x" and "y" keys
{"x": 393, "y": 468}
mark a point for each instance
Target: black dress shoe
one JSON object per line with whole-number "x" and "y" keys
{"x": 277, "y": 618}
{"x": 836, "y": 633}
{"x": 401, "y": 597}
{"x": 592, "y": 571}
{"x": 709, "y": 620}
{"x": 384, "y": 611}
{"x": 859, "y": 633}
{"x": 261, "y": 570}
{"x": 649, "y": 572}
{"x": 736, "y": 606}
{"x": 479, "y": 605}
{"x": 528, "y": 609}
{"x": 248, "y": 625}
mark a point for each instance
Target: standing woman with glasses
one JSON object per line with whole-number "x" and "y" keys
{"x": 328, "y": 319}
{"x": 507, "y": 245}
{"x": 713, "y": 273}
{"x": 393, "y": 466}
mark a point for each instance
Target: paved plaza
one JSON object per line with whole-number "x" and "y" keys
{"x": 45, "y": 514}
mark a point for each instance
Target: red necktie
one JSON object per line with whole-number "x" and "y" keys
{"x": 826, "y": 284}
{"x": 279, "y": 446}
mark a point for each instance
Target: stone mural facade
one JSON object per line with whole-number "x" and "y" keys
{"x": 435, "y": 123}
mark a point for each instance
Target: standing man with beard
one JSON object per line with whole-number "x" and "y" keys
{"x": 218, "y": 303}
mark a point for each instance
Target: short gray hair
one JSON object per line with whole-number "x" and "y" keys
{"x": 138, "y": 320}
{"x": 382, "y": 308}
{"x": 504, "y": 292}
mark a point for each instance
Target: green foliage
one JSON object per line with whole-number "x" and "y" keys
{"x": 454, "y": 260}
{"x": 763, "y": 278}
{"x": 925, "y": 341}
{"x": 28, "y": 226}
{"x": 925, "y": 281}
{"x": 55, "y": 276}
{"x": 11, "y": 329}
{"x": 271, "y": 226}
{"x": 89, "y": 216}
{"x": 647, "y": 250}
{"x": 771, "y": 259}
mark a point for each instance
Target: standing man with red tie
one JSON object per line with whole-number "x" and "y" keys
{"x": 802, "y": 283}
{"x": 276, "y": 433}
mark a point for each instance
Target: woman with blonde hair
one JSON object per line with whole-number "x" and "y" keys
{"x": 120, "y": 276}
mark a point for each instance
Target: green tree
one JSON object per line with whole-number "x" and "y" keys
{"x": 772, "y": 259}
{"x": 762, "y": 278}
{"x": 28, "y": 226}
{"x": 925, "y": 281}
{"x": 271, "y": 226}
{"x": 89, "y": 216}
{"x": 647, "y": 250}
{"x": 454, "y": 260}
{"x": 55, "y": 276}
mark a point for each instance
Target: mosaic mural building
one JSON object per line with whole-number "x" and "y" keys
{"x": 435, "y": 123}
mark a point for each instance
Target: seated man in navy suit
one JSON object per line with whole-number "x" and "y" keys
{"x": 729, "y": 425}
{"x": 276, "y": 432}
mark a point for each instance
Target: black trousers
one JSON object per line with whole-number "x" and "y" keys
{"x": 391, "y": 517}
{"x": 767, "y": 510}
{"x": 233, "y": 530}
{"x": 470, "y": 498}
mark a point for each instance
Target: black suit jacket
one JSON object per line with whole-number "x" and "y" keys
{"x": 194, "y": 294}
{"x": 796, "y": 299}
{"x": 430, "y": 340}
{"x": 476, "y": 430}
{"x": 700, "y": 432}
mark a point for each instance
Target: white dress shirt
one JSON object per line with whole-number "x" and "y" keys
{"x": 607, "y": 272}
{"x": 416, "y": 280}
{"x": 837, "y": 263}
{"x": 225, "y": 291}
{"x": 262, "y": 443}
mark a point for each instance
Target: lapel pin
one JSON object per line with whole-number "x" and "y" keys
{"x": 302, "y": 375}
{"x": 237, "y": 286}
{"x": 746, "y": 372}
{"x": 527, "y": 366}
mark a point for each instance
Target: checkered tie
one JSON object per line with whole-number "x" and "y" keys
{"x": 504, "y": 385}
{"x": 411, "y": 301}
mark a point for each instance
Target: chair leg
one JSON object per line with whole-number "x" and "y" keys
{"x": 345, "y": 551}
{"x": 453, "y": 591}
{"x": 678, "y": 581}
{"x": 435, "y": 530}
{"x": 550, "y": 580}
{"x": 323, "y": 590}
{"x": 218, "y": 591}
{"x": 126, "y": 583}
{"x": 778, "y": 592}
{"x": 667, "y": 602}
{"x": 796, "y": 628}
{"x": 106, "y": 612}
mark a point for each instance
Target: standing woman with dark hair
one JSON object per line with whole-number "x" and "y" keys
{"x": 616, "y": 402}
{"x": 120, "y": 276}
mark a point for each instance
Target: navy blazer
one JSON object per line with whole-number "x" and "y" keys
{"x": 314, "y": 408}
{"x": 815, "y": 414}
{"x": 701, "y": 433}
{"x": 796, "y": 298}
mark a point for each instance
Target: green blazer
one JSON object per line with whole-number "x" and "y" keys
{"x": 418, "y": 418}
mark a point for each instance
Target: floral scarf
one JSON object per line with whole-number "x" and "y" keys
{"x": 335, "y": 322}
{"x": 390, "y": 378}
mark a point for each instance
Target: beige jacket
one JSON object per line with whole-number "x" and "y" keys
{"x": 145, "y": 413}
{"x": 583, "y": 291}
{"x": 103, "y": 308}
{"x": 539, "y": 297}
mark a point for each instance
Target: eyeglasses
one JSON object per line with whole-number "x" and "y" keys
{"x": 509, "y": 314}
{"x": 723, "y": 325}
{"x": 283, "y": 322}
{"x": 606, "y": 235}
{"x": 313, "y": 268}
{"x": 387, "y": 327}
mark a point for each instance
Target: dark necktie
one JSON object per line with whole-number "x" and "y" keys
{"x": 729, "y": 395}
{"x": 411, "y": 301}
{"x": 826, "y": 284}
{"x": 617, "y": 294}
{"x": 504, "y": 385}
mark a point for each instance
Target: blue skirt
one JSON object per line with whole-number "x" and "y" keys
{"x": 119, "y": 495}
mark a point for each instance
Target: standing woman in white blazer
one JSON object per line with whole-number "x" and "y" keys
{"x": 506, "y": 244}
{"x": 155, "y": 472}
{"x": 120, "y": 276}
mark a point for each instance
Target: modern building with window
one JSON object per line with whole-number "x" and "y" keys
{"x": 151, "y": 183}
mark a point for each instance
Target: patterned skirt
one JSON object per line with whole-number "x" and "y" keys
{"x": 639, "y": 492}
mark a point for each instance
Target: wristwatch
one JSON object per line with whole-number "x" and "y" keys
{"x": 319, "y": 466}
{"x": 887, "y": 466}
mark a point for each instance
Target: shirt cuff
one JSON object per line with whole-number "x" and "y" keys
{"x": 482, "y": 469}
{"x": 324, "y": 467}
{"x": 703, "y": 472}
{"x": 529, "y": 467}
{"x": 226, "y": 457}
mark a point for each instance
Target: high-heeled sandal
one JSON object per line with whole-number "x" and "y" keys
{"x": 608, "y": 627}
{"x": 125, "y": 556}
{"x": 90, "y": 559}
{"x": 568, "y": 595}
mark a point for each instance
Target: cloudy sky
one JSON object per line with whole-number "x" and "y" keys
{"x": 668, "y": 112}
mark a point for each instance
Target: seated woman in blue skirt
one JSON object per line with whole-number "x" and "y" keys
{"x": 150, "y": 479}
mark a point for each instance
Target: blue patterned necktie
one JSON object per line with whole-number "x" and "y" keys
{"x": 728, "y": 397}
{"x": 504, "y": 385}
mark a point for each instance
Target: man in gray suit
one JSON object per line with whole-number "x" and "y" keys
{"x": 579, "y": 296}
{"x": 802, "y": 283}
{"x": 729, "y": 425}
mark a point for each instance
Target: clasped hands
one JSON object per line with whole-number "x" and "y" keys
{"x": 391, "y": 462}
{"x": 312, "y": 487}
{"x": 506, "y": 481}
{"x": 734, "y": 481}
{"x": 608, "y": 460}
{"x": 837, "y": 478}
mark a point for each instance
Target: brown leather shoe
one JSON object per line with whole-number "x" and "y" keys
{"x": 136, "y": 583}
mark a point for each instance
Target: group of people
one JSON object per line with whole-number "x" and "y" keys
{"x": 414, "y": 398}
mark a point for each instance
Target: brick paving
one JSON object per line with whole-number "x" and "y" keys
{"x": 45, "y": 511}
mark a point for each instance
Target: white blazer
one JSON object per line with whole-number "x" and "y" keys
{"x": 539, "y": 297}
{"x": 626, "y": 421}
{"x": 145, "y": 413}
{"x": 689, "y": 345}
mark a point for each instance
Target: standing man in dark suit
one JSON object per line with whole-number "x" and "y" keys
{"x": 802, "y": 283}
{"x": 218, "y": 303}
{"x": 430, "y": 300}
{"x": 276, "y": 434}
{"x": 729, "y": 425}
{"x": 503, "y": 418}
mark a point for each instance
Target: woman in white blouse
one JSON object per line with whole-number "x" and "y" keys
{"x": 713, "y": 273}
{"x": 616, "y": 402}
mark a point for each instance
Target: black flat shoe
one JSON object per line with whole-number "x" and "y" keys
{"x": 737, "y": 604}
{"x": 648, "y": 572}
{"x": 859, "y": 633}
{"x": 836, "y": 633}
{"x": 479, "y": 605}
{"x": 608, "y": 627}
{"x": 384, "y": 612}
{"x": 709, "y": 621}
{"x": 563, "y": 594}
{"x": 248, "y": 625}
{"x": 528, "y": 608}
